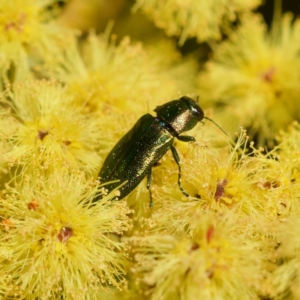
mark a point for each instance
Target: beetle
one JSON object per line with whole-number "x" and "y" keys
{"x": 133, "y": 157}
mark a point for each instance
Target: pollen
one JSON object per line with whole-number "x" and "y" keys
{"x": 64, "y": 234}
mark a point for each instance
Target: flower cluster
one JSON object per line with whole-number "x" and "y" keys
{"x": 28, "y": 36}
{"x": 248, "y": 76}
{"x": 200, "y": 19}
{"x": 57, "y": 242}
{"x": 224, "y": 221}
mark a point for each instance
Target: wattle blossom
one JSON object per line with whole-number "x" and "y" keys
{"x": 255, "y": 74}
{"x": 57, "y": 244}
{"x": 28, "y": 36}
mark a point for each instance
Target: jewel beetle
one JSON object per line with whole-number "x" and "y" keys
{"x": 133, "y": 157}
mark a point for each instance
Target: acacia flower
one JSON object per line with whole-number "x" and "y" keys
{"x": 275, "y": 176}
{"x": 284, "y": 281}
{"x": 46, "y": 131}
{"x": 55, "y": 243}
{"x": 217, "y": 181}
{"x": 8, "y": 125}
{"x": 254, "y": 77}
{"x": 289, "y": 145}
{"x": 100, "y": 73}
{"x": 219, "y": 261}
{"x": 200, "y": 19}
{"x": 276, "y": 184}
{"x": 27, "y": 35}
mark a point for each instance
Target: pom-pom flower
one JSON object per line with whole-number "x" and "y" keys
{"x": 47, "y": 131}
{"x": 218, "y": 181}
{"x": 219, "y": 261}
{"x": 275, "y": 175}
{"x": 55, "y": 243}
{"x": 284, "y": 281}
{"x": 289, "y": 147}
{"x": 101, "y": 73}
{"x": 255, "y": 74}
{"x": 27, "y": 36}
{"x": 200, "y": 19}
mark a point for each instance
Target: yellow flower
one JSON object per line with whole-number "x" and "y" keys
{"x": 48, "y": 132}
{"x": 26, "y": 36}
{"x": 105, "y": 77}
{"x": 289, "y": 147}
{"x": 8, "y": 125}
{"x": 284, "y": 281}
{"x": 254, "y": 77}
{"x": 200, "y": 19}
{"x": 219, "y": 261}
{"x": 217, "y": 180}
{"x": 275, "y": 176}
{"x": 55, "y": 243}
{"x": 276, "y": 186}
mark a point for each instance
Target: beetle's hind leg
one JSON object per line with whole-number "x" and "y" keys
{"x": 177, "y": 160}
{"x": 149, "y": 179}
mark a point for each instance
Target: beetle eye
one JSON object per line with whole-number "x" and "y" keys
{"x": 199, "y": 112}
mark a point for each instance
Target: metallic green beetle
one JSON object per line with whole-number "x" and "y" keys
{"x": 133, "y": 157}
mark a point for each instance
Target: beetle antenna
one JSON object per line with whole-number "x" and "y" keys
{"x": 216, "y": 124}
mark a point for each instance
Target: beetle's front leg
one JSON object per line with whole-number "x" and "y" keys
{"x": 177, "y": 160}
{"x": 149, "y": 179}
{"x": 186, "y": 138}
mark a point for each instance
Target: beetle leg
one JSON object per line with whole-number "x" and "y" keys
{"x": 177, "y": 160}
{"x": 149, "y": 178}
{"x": 186, "y": 138}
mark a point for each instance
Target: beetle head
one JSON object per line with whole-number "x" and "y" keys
{"x": 182, "y": 114}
